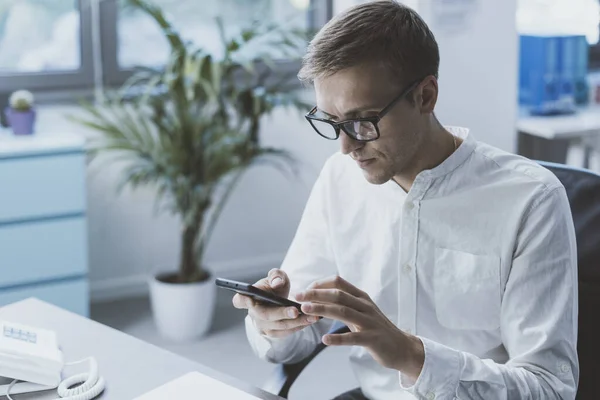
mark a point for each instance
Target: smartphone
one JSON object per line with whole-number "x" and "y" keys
{"x": 257, "y": 294}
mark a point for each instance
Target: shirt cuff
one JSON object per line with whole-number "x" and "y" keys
{"x": 440, "y": 375}
{"x": 267, "y": 348}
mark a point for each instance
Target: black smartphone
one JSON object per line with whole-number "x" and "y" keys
{"x": 256, "y": 293}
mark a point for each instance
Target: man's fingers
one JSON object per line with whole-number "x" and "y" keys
{"x": 337, "y": 312}
{"x": 269, "y": 313}
{"x": 262, "y": 284}
{"x": 242, "y": 302}
{"x": 334, "y": 296}
{"x": 286, "y": 324}
{"x": 276, "y": 282}
{"x": 347, "y": 339}
{"x": 281, "y": 334}
{"x": 279, "y": 282}
{"x": 337, "y": 282}
{"x": 270, "y": 282}
{"x": 277, "y": 278}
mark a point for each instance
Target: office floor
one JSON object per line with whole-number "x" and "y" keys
{"x": 226, "y": 348}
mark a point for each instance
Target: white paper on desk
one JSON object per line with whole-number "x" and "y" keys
{"x": 194, "y": 386}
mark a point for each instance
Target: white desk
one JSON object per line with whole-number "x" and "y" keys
{"x": 582, "y": 127}
{"x": 130, "y": 366}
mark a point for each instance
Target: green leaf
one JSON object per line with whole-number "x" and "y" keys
{"x": 154, "y": 12}
{"x": 206, "y": 68}
{"x": 217, "y": 73}
{"x": 222, "y": 35}
{"x": 233, "y": 46}
{"x": 248, "y": 35}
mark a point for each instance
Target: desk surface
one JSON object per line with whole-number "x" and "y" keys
{"x": 585, "y": 122}
{"x": 130, "y": 366}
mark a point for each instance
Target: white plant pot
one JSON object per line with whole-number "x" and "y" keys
{"x": 182, "y": 311}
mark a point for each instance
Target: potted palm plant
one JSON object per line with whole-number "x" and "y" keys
{"x": 191, "y": 129}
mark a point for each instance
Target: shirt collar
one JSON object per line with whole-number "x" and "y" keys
{"x": 456, "y": 159}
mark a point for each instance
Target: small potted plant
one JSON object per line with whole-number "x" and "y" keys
{"x": 20, "y": 113}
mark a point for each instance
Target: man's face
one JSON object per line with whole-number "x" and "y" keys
{"x": 364, "y": 91}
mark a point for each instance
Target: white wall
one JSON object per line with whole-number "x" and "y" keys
{"x": 479, "y": 65}
{"x": 478, "y": 80}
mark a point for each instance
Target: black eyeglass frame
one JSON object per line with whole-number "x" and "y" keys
{"x": 337, "y": 126}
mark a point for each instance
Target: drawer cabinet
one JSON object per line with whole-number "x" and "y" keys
{"x": 43, "y": 226}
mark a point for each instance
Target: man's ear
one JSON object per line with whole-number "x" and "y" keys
{"x": 427, "y": 98}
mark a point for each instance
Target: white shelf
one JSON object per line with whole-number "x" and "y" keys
{"x": 40, "y": 143}
{"x": 586, "y": 122}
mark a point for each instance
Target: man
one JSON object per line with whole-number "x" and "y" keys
{"x": 452, "y": 262}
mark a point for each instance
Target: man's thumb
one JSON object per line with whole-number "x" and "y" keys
{"x": 279, "y": 282}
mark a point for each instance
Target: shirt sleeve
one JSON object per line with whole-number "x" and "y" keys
{"x": 538, "y": 321}
{"x": 309, "y": 258}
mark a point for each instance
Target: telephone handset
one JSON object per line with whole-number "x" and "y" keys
{"x": 31, "y": 360}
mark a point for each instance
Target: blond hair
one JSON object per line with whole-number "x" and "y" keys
{"x": 378, "y": 32}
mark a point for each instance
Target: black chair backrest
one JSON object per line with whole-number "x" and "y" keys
{"x": 583, "y": 191}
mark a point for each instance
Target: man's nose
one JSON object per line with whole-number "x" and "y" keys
{"x": 348, "y": 144}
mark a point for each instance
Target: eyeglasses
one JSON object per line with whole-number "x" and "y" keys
{"x": 360, "y": 129}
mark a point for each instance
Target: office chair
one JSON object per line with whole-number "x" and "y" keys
{"x": 583, "y": 190}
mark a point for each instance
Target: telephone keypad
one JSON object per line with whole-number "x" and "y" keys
{"x": 19, "y": 334}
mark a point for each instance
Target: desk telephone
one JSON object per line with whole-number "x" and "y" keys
{"x": 31, "y": 360}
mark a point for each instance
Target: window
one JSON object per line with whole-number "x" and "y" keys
{"x": 47, "y": 44}
{"x": 52, "y": 46}
{"x": 40, "y": 44}
{"x": 195, "y": 20}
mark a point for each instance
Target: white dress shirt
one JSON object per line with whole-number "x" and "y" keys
{"x": 478, "y": 260}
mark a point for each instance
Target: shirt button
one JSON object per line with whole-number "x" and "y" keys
{"x": 430, "y": 396}
{"x": 409, "y": 206}
{"x": 565, "y": 368}
{"x": 407, "y": 268}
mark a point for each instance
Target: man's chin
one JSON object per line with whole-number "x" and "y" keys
{"x": 375, "y": 178}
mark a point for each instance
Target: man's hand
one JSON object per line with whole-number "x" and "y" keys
{"x": 336, "y": 298}
{"x": 276, "y": 322}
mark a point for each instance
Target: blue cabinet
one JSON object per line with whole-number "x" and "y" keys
{"x": 43, "y": 226}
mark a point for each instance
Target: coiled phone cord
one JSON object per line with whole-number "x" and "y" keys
{"x": 91, "y": 384}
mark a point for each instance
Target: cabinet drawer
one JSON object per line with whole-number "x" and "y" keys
{"x": 41, "y": 186}
{"x": 37, "y": 251}
{"x": 72, "y": 295}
